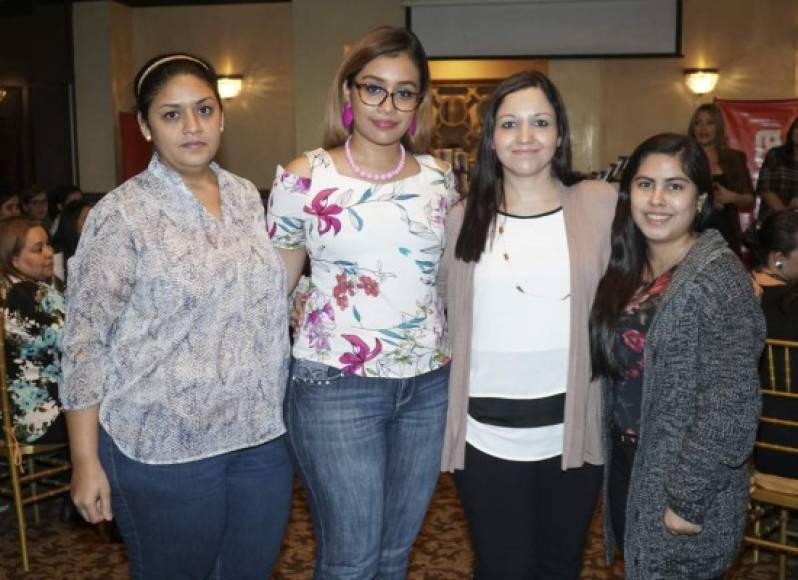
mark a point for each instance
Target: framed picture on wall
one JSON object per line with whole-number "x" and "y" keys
{"x": 458, "y": 107}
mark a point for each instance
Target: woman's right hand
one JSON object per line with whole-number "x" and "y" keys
{"x": 679, "y": 526}
{"x": 91, "y": 492}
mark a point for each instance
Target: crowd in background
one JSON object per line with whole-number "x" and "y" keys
{"x": 38, "y": 233}
{"x": 522, "y": 334}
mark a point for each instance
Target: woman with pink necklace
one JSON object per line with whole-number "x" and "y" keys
{"x": 366, "y": 401}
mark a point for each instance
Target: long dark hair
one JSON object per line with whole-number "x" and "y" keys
{"x": 778, "y": 232}
{"x": 788, "y": 149}
{"x": 486, "y": 192}
{"x": 629, "y": 250}
{"x": 67, "y": 236}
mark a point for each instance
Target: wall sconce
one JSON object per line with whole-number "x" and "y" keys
{"x": 3, "y": 94}
{"x": 701, "y": 81}
{"x": 229, "y": 85}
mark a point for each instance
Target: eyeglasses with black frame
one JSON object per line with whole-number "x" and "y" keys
{"x": 373, "y": 95}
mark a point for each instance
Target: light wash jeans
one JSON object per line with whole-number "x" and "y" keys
{"x": 368, "y": 451}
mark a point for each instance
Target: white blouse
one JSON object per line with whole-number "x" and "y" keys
{"x": 519, "y": 346}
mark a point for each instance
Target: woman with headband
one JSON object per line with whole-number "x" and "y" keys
{"x": 366, "y": 402}
{"x": 176, "y": 350}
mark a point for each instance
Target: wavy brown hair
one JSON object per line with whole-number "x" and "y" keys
{"x": 721, "y": 140}
{"x": 13, "y": 232}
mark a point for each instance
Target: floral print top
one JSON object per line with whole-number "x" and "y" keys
{"x": 629, "y": 346}
{"x": 374, "y": 250}
{"x": 34, "y": 323}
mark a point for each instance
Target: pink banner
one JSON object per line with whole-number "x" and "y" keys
{"x": 756, "y": 126}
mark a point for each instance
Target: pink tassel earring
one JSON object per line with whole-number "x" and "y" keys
{"x": 347, "y": 116}
{"x": 412, "y": 129}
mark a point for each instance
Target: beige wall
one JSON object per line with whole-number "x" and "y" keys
{"x": 795, "y": 45}
{"x": 752, "y": 43}
{"x": 613, "y": 103}
{"x": 321, "y": 29}
{"x": 249, "y": 39}
{"x": 113, "y": 41}
{"x": 94, "y": 104}
{"x": 580, "y": 84}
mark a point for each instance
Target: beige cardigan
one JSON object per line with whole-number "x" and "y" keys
{"x": 588, "y": 209}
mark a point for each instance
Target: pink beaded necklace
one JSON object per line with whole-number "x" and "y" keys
{"x": 374, "y": 176}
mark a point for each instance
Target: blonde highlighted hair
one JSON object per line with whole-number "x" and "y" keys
{"x": 13, "y": 233}
{"x": 382, "y": 41}
{"x": 721, "y": 140}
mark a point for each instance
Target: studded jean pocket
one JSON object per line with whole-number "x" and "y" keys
{"x": 314, "y": 373}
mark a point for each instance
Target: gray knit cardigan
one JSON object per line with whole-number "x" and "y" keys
{"x": 700, "y": 409}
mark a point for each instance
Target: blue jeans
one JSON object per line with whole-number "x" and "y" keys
{"x": 368, "y": 451}
{"x": 218, "y": 518}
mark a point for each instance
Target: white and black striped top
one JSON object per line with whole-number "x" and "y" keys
{"x": 519, "y": 355}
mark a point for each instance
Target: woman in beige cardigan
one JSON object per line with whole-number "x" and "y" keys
{"x": 526, "y": 251}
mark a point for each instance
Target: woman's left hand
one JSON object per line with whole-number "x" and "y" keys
{"x": 723, "y": 196}
{"x": 676, "y": 524}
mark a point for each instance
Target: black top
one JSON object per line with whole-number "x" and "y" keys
{"x": 781, "y": 316}
{"x": 629, "y": 345}
{"x": 726, "y": 219}
{"x": 34, "y": 322}
{"x": 734, "y": 176}
{"x": 778, "y": 175}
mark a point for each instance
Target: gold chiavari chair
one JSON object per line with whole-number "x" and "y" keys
{"x": 30, "y": 472}
{"x": 773, "y": 498}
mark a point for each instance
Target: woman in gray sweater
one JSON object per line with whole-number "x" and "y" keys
{"x": 676, "y": 334}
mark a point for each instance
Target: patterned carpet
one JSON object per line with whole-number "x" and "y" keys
{"x": 442, "y": 552}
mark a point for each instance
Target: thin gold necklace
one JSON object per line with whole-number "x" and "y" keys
{"x": 508, "y": 260}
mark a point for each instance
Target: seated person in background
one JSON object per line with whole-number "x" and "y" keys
{"x": 59, "y": 198}
{"x": 67, "y": 235}
{"x": 34, "y": 320}
{"x": 774, "y": 245}
{"x": 778, "y": 178}
{"x": 733, "y": 190}
{"x": 34, "y": 204}
{"x": 9, "y": 203}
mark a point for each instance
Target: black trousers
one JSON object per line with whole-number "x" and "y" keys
{"x": 621, "y": 461}
{"x": 528, "y": 519}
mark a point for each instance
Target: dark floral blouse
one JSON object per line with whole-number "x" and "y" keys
{"x": 629, "y": 346}
{"x": 34, "y": 323}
